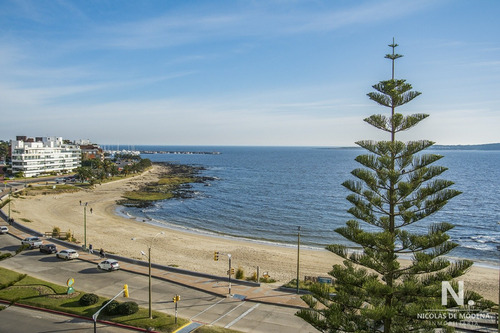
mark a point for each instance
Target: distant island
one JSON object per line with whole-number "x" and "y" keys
{"x": 488, "y": 146}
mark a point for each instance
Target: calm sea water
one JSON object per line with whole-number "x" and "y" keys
{"x": 265, "y": 193}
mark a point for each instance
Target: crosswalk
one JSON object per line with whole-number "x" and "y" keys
{"x": 231, "y": 310}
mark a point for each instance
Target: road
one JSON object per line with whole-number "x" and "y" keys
{"x": 19, "y": 320}
{"x": 195, "y": 305}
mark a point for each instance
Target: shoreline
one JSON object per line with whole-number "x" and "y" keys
{"x": 186, "y": 248}
{"x": 207, "y": 233}
{"x": 171, "y": 226}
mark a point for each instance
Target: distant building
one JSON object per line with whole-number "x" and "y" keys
{"x": 43, "y": 155}
{"x": 92, "y": 152}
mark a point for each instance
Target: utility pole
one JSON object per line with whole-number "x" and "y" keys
{"x": 229, "y": 274}
{"x": 150, "y": 277}
{"x": 10, "y": 192}
{"x": 85, "y": 226}
{"x": 150, "y": 286}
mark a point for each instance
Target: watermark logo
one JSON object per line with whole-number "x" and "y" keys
{"x": 446, "y": 288}
{"x": 464, "y": 315}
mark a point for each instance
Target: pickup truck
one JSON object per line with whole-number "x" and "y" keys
{"x": 32, "y": 242}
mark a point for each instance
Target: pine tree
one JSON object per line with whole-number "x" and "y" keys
{"x": 397, "y": 186}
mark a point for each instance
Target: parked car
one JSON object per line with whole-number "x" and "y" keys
{"x": 67, "y": 254}
{"x": 4, "y": 229}
{"x": 32, "y": 242}
{"x": 109, "y": 265}
{"x": 48, "y": 248}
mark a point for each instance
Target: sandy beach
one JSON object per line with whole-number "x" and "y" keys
{"x": 127, "y": 237}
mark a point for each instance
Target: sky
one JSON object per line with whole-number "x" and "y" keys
{"x": 253, "y": 73}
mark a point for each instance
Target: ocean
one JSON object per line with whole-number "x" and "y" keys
{"x": 264, "y": 194}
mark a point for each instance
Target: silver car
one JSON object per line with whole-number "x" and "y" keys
{"x": 32, "y": 242}
{"x": 109, "y": 265}
{"x": 67, "y": 254}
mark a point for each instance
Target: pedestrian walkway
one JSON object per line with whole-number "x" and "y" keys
{"x": 216, "y": 286}
{"x": 262, "y": 294}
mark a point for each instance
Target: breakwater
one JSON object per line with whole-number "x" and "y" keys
{"x": 180, "y": 152}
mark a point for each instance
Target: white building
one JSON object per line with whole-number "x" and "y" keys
{"x": 43, "y": 155}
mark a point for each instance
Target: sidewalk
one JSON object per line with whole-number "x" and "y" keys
{"x": 217, "y": 285}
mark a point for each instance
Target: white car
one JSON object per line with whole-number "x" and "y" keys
{"x": 109, "y": 265}
{"x": 4, "y": 229}
{"x": 32, "y": 242}
{"x": 67, "y": 254}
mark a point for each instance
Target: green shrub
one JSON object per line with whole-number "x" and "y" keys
{"x": 88, "y": 299}
{"x": 5, "y": 255}
{"x": 127, "y": 308}
{"x": 112, "y": 308}
{"x": 69, "y": 236}
{"x": 22, "y": 248}
{"x": 240, "y": 274}
{"x": 253, "y": 277}
{"x": 56, "y": 232}
{"x": 267, "y": 280}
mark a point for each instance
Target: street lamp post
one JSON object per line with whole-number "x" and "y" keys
{"x": 229, "y": 274}
{"x": 149, "y": 261}
{"x": 85, "y": 226}
{"x": 10, "y": 199}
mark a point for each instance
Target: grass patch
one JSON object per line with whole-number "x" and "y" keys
{"x": 307, "y": 285}
{"x": 24, "y": 289}
{"x": 160, "y": 321}
{"x": 213, "y": 329}
{"x": 48, "y": 190}
{"x": 174, "y": 184}
{"x": 175, "y": 180}
{"x": 4, "y": 203}
{"x": 25, "y": 220}
{"x": 7, "y": 276}
{"x": 147, "y": 196}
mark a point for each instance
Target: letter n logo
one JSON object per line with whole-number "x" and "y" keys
{"x": 446, "y": 287}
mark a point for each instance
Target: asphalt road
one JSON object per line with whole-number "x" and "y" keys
{"x": 19, "y": 320}
{"x": 194, "y": 305}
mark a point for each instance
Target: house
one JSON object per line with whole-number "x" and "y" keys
{"x": 92, "y": 152}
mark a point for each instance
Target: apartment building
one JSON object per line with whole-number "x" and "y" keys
{"x": 43, "y": 155}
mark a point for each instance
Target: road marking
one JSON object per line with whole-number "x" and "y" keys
{"x": 216, "y": 320}
{"x": 243, "y": 315}
{"x": 211, "y": 306}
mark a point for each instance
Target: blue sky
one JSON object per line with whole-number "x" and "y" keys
{"x": 273, "y": 72}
